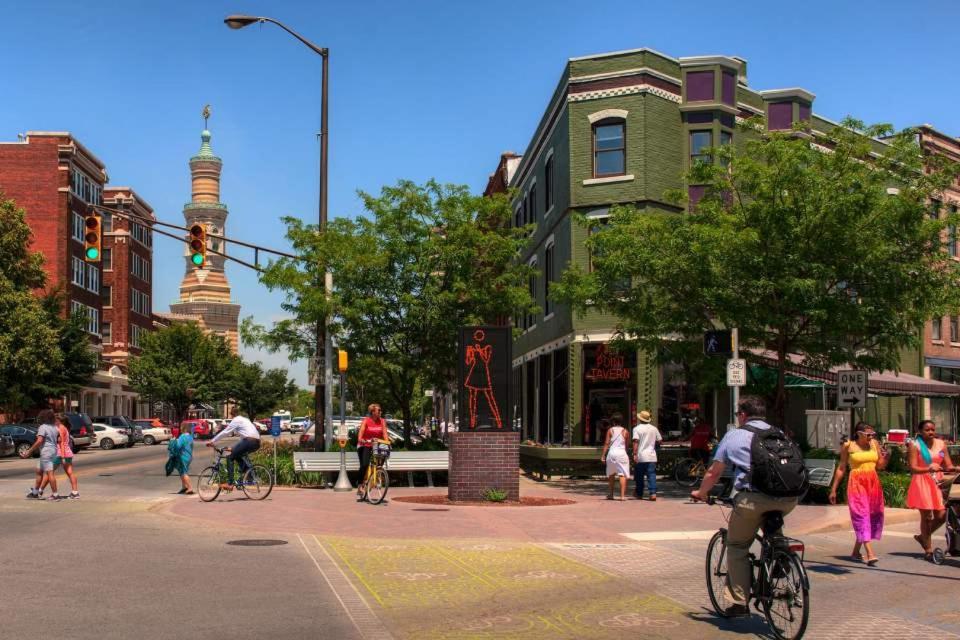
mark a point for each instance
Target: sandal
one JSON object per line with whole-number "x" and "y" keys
{"x": 856, "y": 557}
{"x": 927, "y": 553}
{"x": 872, "y": 562}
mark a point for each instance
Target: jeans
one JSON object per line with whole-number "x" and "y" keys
{"x": 648, "y": 469}
{"x": 242, "y": 448}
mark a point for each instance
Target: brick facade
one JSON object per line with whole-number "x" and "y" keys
{"x": 481, "y": 460}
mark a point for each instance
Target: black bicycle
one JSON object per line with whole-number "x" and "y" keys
{"x": 778, "y": 582}
{"x": 255, "y": 481}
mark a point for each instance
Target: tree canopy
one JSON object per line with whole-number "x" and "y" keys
{"x": 424, "y": 260}
{"x": 258, "y": 392}
{"x": 821, "y": 248}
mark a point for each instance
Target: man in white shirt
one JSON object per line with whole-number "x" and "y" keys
{"x": 249, "y": 442}
{"x": 645, "y": 439}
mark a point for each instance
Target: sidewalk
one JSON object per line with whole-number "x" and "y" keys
{"x": 592, "y": 519}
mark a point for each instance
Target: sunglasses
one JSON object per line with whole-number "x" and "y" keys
{"x": 869, "y": 434}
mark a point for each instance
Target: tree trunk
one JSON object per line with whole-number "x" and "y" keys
{"x": 780, "y": 399}
{"x": 405, "y": 412}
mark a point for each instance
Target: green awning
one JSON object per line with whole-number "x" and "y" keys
{"x": 765, "y": 377}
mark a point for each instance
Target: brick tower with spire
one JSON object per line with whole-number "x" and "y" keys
{"x": 205, "y": 292}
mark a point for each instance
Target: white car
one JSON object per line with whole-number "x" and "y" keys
{"x": 297, "y": 425}
{"x": 109, "y": 437}
{"x": 156, "y": 435}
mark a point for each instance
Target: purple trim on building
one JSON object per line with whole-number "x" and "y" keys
{"x": 780, "y": 115}
{"x": 699, "y": 117}
{"x": 729, "y": 89}
{"x": 699, "y": 86}
{"x": 804, "y": 111}
{"x": 694, "y": 194}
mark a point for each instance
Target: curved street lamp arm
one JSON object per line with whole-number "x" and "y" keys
{"x": 323, "y": 51}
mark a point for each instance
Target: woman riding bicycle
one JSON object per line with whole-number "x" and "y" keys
{"x": 372, "y": 429}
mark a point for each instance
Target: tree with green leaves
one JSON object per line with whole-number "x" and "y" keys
{"x": 258, "y": 392}
{"x": 43, "y": 352}
{"x": 822, "y": 248}
{"x": 182, "y": 365}
{"x": 425, "y": 260}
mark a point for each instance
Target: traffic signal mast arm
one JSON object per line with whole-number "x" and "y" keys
{"x": 154, "y": 223}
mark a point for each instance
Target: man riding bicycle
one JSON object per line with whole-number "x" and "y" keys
{"x": 249, "y": 442}
{"x": 749, "y": 505}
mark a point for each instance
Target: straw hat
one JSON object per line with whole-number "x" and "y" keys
{"x": 644, "y": 416}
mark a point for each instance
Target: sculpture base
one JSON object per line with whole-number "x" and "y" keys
{"x": 482, "y": 460}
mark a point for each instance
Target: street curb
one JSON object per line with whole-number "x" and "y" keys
{"x": 899, "y": 516}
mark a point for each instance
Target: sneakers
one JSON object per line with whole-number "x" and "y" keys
{"x": 653, "y": 498}
{"x": 74, "y": 495}
{"x": 34, "y": 495}
{"x": 737, "y": 611}
{"x": 54, "y": 498}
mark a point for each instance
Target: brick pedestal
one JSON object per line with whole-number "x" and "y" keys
{"x": 481, "y": 460}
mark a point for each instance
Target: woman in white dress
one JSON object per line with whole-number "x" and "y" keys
{"x": 615, "y": 456}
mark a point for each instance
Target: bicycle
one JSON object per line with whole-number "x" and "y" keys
{"x": 255, "y": 481}
{"x": 688, "y": 472}
{"x": 778, "y": 582}
{"x": 375, "y": 485}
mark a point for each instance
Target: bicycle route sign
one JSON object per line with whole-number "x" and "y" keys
{"x": 736, "y": 372}
{"x": 852, "y": 389}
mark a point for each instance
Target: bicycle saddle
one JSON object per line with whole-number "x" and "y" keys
{"x": 772, "y": 523}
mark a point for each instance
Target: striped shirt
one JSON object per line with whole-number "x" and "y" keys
{"x": 734, "y": 452}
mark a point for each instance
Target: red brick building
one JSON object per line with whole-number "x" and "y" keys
{"x": 54, "y": 178}
{"x": 127, "y": 290}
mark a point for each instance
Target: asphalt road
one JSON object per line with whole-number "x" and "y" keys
{"x": 113, "y": 565}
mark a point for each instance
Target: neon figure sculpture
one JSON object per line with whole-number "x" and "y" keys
{"x": 478, "y": 378}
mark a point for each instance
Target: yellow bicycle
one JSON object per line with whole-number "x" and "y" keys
{"x": 688, "y": 472}
{"x": 377, "y": 481}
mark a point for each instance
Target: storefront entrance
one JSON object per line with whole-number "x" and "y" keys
{"x": 608, "y": 386}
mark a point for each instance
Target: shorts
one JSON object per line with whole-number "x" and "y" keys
{"x": 45, "y": 464}
{"x": 59, "y": 461}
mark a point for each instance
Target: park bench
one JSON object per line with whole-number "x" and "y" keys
{"x": 409, "y": 461}
{"x": 821, "y": 472}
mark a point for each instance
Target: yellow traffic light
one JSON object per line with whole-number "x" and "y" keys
{"x": 198, "y": 245}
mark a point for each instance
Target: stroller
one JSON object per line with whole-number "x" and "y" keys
{"x": 951, "y": 499}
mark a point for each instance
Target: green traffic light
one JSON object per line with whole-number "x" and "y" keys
{"x": 197, "y": 259}
{"x": 93, "y": 253}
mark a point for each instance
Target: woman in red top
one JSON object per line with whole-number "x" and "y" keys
{"x": 372, "y": 429}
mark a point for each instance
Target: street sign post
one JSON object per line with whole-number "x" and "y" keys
{"x": 852, "y": 389}
{"x": 736, "y": 372}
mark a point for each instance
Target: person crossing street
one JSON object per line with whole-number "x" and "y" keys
{"x": 249, "y": 442}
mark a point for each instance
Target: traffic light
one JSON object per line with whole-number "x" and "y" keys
{"x": 342, "y": 361}
{"x": 92, "y": 239}
{"x": 198, "y": 245}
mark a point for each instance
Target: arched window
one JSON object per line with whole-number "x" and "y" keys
{"x": 609, "y": 148}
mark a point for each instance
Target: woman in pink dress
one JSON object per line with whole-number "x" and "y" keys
{"x": 864, "y": 492}
{"x": 928, "y": 458}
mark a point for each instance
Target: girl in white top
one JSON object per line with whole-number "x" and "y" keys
{"x": 615, "y": 456}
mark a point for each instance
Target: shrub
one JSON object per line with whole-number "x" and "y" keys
{"x": 895, "y": 486}
{"x": 821, "y": 454}
{"x": 494, "y": 495}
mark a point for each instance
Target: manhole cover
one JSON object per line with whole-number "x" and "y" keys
{"x": 256, "y": 543}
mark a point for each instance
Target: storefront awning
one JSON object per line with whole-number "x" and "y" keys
{"x": 883, "y": 383}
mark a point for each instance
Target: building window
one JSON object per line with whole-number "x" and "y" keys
{"x": 533, "y": 203}
{"x": 936, "y": 327}
{"x": 699, "y": 86}
{"x": 140, "y": 302}
{"x": 954, "y": 329}
{"x": 93, "y": 278}
{"x": 106, "y": 222}
{"x": 700, "y": 143}
{"x": 548, "y": 197}
{"x": 77, "y": 272}
{"x": 90, "y": 315}
{"x": 531, "y": 320}
{"x": 729, "y": 88}
{"x": 77, "y": 227}
{"x": 136, "y": 332}
{"x": 106, "y": 259}
{"x": 518, "y": 218}
{"x": 106, "y": 331}
{"x": 952, "y": 240}
{"x": 141, "y": 234}
{"x": 609, "y": 149}
{"x": 106, "y": 295}
{"x": 780, "y": 115}
{"x": 141, "y": 268}
{"x": 547, "y": 278}
{"x": 934, "y": 210}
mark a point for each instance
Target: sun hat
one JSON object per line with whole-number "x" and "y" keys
{"x": 644, "y": 416}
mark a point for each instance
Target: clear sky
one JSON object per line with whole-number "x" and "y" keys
{"x": 419, "y": 89}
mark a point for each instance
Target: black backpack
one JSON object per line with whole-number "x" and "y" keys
{"x": 776, "y": 462}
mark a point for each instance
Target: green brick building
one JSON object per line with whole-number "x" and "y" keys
{"x": 622, "y": 128}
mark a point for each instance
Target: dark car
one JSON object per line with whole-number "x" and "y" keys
{"x": 81, "y": 429}
{"x": 23, "y": 437}
{"x": 125, "y": 424}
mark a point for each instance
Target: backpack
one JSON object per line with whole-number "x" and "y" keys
{"x": 776, "y": 464}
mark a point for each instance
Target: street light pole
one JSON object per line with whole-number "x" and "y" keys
{"x": 323, "y": 379}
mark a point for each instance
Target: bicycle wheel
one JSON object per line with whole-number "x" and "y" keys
{"x": 787, "y": 605}
{"x": 717, "y": 573}
{"x": 378, "y": 485}
{"x": 257, "y": 482}
{"x": 685, "y": 472}
{"x": 208, "y": 484}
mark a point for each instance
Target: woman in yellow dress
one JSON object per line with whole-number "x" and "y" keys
{"x": 864, "y": 493}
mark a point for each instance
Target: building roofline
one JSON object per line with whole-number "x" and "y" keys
{"x": 611, "y": 54}
{"x": 725, "y": 61}
{"x": 73, "y": 138}
{"x": 788, "y": 92}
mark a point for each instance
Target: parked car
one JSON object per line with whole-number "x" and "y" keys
{"x": 23, "y": 437}
{"x": 81, "y": 429}
{"x": 298, "y": 424}
{"x": 134, "y": 432}
{"x": 307, "y": 437}
{"x": 153, "y": 435}
{"x": 7, "y": 446}
{"x": 199, "y": 427}
{"x": 109, "y": 437}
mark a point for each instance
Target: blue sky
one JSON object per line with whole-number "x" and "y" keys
{"x": 419, "y": 89}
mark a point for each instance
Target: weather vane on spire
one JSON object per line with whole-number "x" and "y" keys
{"x": 206, "y": 114}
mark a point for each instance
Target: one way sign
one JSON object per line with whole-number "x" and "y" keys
{"x": 852, "y": 389}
